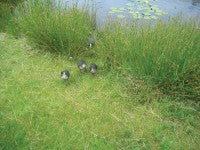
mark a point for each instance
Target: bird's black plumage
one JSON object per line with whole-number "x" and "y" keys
{"x": 91, "y": 42}
{"x": 93, "y": 68}
{"x": 65, "y": 74}
{"x": 82, "y": 65}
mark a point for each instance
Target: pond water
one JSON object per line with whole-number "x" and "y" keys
{"x": 144, "y": 9}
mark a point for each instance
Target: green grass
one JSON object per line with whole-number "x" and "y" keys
{"x": 56, "y": 29}
{"x": 165, "y": 53}
{"x": 39, "y": 111}
{"x": 13, "y": 2}
{"x": 123, "y": 107}
{"x": 5, "y": 15}
{"x": 7, "y": 9}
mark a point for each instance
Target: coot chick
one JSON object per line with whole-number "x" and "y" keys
{"x": 65, "y": 75}
{"x": 91, "y": 42}
{"x": 93, "y": 68}
{"x": 82, "y": 65}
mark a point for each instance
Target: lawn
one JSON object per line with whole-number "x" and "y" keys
{"x": 38, "y": 110}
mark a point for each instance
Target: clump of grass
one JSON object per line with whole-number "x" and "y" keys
{"x": 5, "y": 15}
{"x": 7, "y": 8}
{"x": 165, "y": 53}
{"x": 13, "y": 2}
{"x": 55, "y": 27}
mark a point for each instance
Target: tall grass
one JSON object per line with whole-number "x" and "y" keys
{"x": 13, "y": 2}
{"x": 5, "y": 15}
{"x": 56, "y": 27}
{"x": 167, "y": 53}
{"x": 7, "y": 8}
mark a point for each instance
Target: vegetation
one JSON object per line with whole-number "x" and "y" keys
{"x": 167, "y": 54}
{"x": 6, "y": 10}
{"x": 5, "y": 15}
{"x": 145, "y": 95}
{"x": 58, "y": 29}
{"x": 40, "y": 111}
{"x": 14, "y": 2}
{"x": 140, "y": 9}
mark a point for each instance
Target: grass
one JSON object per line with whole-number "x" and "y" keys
{"x": 5, "y": 15}
{"x": 166, "y": 54}
{"x": 7, "y": 9}
{"x": 13, "y": 2}
{"x": 39, "y": 111}
{"x": 55, "y": 28}
{"x": 123, "y": 107}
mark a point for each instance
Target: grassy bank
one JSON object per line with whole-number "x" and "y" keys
{"x": 55, "y": 27}
{"x": 144, "y": 96}
{"x": 39, "y": 111}
{"x": 167, "y": 53}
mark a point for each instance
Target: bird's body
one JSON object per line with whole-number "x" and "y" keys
{"x": 93, "y": 68}
{"x": 82, "y": 65}
{"x": 65, "y": 74}
{"x": 91, "y": 42}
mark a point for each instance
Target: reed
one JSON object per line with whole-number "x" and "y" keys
{"x": 5, "y": 15}
{"x": 56, "y": 27}
{"x": 166, "y": 53}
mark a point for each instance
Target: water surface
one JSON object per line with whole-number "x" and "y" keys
{"x": 144, "y": 9}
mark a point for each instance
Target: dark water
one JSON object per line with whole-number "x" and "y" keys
{"x": 188, "y": 8}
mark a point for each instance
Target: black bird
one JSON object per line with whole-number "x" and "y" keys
{"x": 91, "y": 42}
{"x": 65, "y": 74}
{"x": 93, "y": 68}
{"x": 82, "y": 65}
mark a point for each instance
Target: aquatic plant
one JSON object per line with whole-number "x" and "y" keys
{"x": 139, "y": 9}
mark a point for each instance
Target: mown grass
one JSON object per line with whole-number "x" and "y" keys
{"x": 40, "y": 111}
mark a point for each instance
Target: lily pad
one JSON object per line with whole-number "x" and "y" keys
{"x": 146, "y": 13}
{"x": 138, "y": 17}
{"x": 129, "y": 4}
{"x": 121, "y": 16}
{"x": 145, "y": 2}
{"x": 159, "y": 11}
{"x": 147, "y": 17}
{"x": 154, "y": 17}
{"x": 139, "y": 9}
{"x": 121, "y": 9}
{"x": 164, "y": 12}
{"x": 130, "y": 8}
